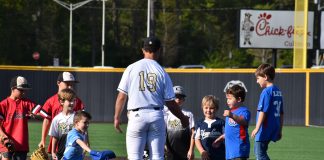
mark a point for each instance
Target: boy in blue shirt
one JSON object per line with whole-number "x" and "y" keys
{"x": 269, "y": 120}
{"x": 76, "y": 141}
{"x": 237, "y": 143}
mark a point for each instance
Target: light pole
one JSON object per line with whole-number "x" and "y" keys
{"x": 71, "y": 7}
{"x": 103, "y": 34}
{"x": 148, "y": 17}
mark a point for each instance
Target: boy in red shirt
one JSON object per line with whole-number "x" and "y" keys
{"x": 15, "y": 111}
{"x": 52, "y": 106}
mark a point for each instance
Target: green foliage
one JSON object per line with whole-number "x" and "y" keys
{"x": 192, "y": 32}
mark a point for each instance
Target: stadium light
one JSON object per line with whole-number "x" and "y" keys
{"x": 71, "y": 7}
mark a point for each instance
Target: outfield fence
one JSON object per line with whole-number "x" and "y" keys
{"x": 303, "y": 89}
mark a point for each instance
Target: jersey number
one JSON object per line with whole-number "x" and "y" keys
{"x": 150, "y": 79}
{"x": 277, "y": 104}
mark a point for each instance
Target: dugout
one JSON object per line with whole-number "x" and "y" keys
{"x": 303, "y": 89}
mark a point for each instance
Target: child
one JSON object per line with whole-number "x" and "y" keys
{"x": 75, "y": 142}
{"x": 52, "y": 106}
{"x": 14, "y": 114}
{"x": 269, "y": 120}
{"x": 62, "y": 123}
{"x": 179, "y": 143}
{"x": 209, "y": 131}
{"x": 237, "y": 141}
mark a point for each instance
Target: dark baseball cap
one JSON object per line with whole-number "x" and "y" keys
{"x": 151, "y": 44}
{"x": 66, "y": 77}
{"x": 19, "y": 82}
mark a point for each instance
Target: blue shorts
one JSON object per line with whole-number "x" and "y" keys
{"x": 260, "y": 150}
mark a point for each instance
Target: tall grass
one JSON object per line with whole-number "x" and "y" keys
{"x": 298, "y": 143}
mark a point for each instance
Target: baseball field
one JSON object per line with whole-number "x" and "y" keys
{"x": 298, "y": 143}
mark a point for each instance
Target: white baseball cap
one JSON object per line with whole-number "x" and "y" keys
{"x": 66, "y": 77}
{"x": 19, "y": 82}
{"x": 179, "y": 90}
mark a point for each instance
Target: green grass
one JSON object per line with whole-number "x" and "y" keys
{"x": 298, "y": 143}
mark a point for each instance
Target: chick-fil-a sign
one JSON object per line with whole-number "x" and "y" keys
{"x": 270, "y": 29}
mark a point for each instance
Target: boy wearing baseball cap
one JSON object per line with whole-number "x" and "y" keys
{"x": 15, "y": 111}
{"x": 52, "y": 106}
{"x": 180, "y": 142}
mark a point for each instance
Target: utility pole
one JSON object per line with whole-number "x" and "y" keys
{"x": 71, "y": 7}
{"x": 103, "y": 34}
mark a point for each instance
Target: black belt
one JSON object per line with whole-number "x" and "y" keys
{"x": 137, "y": 109}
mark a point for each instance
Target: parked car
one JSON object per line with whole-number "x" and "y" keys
{"x": 198, "y": 66}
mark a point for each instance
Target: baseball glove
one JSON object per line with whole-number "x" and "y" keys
{"x": 39, "y": 154}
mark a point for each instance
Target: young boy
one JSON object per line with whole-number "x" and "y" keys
{"x": 76, "y": 142}
{"x": 237, "y": 141}
{"x": 179, "y": 142}
{"x": 269, "y": 120}
{"x": 209, "y": 131}
{"x": 62, "y": 123}
{"x": 14, "y": 113}
{"x": 52, "y": 106}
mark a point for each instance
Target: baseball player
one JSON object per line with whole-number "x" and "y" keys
{"x": 52, "y": 106}
{"x": 180, "y": 142}
{"x": 14, "y": 113}
{"x": 148, "y": 87}
{"x": 269, "y": 120}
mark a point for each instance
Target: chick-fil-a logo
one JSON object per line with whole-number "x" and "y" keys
{"x": 263, "y": 27}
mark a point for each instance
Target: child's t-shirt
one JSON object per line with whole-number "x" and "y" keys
{"x": 207, "y": 132}
{"x": 272, "y": 105}
{"x": 236, "y": 136}
{"x": 72, "y": 149}
{"x": 61, "y": 124}
{"x": 178, "y": 138}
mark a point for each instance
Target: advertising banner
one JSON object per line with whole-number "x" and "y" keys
{"x": 270, "y": 29}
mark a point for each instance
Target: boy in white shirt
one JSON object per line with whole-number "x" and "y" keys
{"x": 62, "y": 123}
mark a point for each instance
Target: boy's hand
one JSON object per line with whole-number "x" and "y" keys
{"x": 254, "y": 132}
{"x": 204, "y": 155}
{"x": 54, "y": 157}
{"x": 228, "y": 113}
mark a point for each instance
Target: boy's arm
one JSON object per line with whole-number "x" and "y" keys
{"x": 54, "y": 143}
{"x": 259, "y": 123}
{"x": 202, "y": 151}
{"x": 45, "y": 127}
{"x": 175, "y": 110}
{"x": 191, "y": 153}
{"x": 83, "y": 145}
{"x": 238, "y": 119}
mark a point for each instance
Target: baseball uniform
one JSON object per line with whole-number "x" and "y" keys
{"x": 178, "y": 138}
{"x": 14, "y": 118}
{"x": 147, "y": 86}
{"x": 271, "y": 104}
{"x": 208, "y": 132}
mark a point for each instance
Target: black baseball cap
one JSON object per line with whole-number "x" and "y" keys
{"x": 66, "y": 77}
{"x": 151, "y": 44}
{"x": 19, "y": 82}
